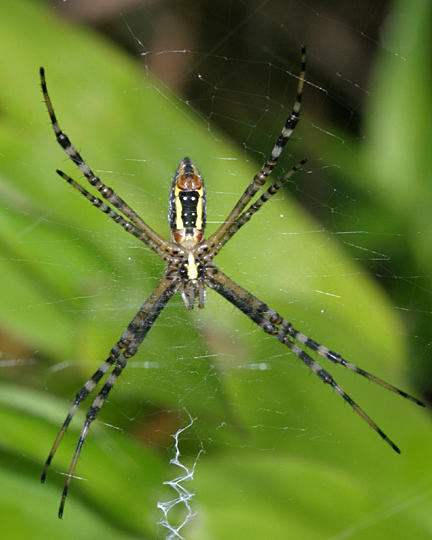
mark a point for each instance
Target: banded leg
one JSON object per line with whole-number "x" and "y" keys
{"x": 260, "y": 178}
{"x": 287, "y": 328}
{"x": 106, "y": 209}
{"x": 154, "y": 241}
{"x": 328, "y": 379}
{"x": 272, "y": 323}
{"x": 90, "y": 416}
{"x": 81, "y": 396}
{"x": 126, "y": 347}
{"x": 253, "y": 208}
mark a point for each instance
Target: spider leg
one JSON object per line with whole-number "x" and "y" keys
{"x": 106, "y": 209}
{"x": 90, "y": 416}
{"x": 327, "y": 378}
{"x": 287, "y": 328}
{"x": 272, "y": 323}
{"x": 253, "y": 208}
{"x": 260, "y": 178}
{"x": 126, "y": 347}
{"x": 81, "y": 396}
{"x": 106, "y": 192}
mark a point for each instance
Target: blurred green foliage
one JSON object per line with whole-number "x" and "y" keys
{"x": 284, "y": 458}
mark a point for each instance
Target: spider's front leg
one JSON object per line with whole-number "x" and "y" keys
{"x": 258, "y": 181}
{"x": 124, "y": 349}
{"x": 148, "y": 235}
{"x": 272, "y": 323}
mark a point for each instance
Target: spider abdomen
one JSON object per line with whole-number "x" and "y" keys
{"x": 186, "y": 212}
{"x": 189, "y": 209}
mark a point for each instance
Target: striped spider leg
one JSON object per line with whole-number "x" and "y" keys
{"x": 174, "y": 278}
{"x": 149, "y": 236}
{"x": 274, "y": 324}
{"x": 125, "y": 348}
{"x": 218, "y": 239}
{"x": 190, "y": 269}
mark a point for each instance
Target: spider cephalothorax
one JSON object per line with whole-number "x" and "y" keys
{"x": 190, "y": 269}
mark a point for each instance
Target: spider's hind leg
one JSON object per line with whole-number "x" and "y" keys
{"x": 275, "y": 325}
{"x": 90, "y": 416}
{"x": 328, "y": 379}
{"x": 79, "y": 397}
{"x": 287, "y": 328}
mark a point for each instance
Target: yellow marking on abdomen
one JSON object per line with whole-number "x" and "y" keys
{"x": 178, "y": 207}
{"x": 199, "y": 210}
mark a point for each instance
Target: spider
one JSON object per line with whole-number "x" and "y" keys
{"x": 190, "y": 269}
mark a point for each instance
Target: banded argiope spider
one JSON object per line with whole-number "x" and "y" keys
{"x": 190, "y": 269}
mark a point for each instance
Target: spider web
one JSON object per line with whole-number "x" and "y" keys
{"x": 247, "y": 96}
{"x": 235, "y": 69}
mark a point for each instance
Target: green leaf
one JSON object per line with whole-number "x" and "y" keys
{"x": 282, "y": 452}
